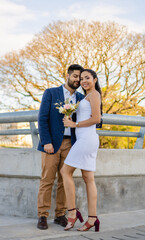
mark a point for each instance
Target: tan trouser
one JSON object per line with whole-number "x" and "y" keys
{"x": 51, "y": 164}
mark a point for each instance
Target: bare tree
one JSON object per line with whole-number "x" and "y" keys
{"x": 115, "y": 54}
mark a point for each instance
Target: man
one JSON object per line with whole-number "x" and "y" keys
{"x": 55, "y": 143}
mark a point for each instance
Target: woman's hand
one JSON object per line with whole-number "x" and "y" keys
{"x": 68, "y": 122}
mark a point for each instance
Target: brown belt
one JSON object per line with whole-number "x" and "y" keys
{"x": 66, "y": 137}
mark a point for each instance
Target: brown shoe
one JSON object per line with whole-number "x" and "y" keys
{"x": 61, "y": 220}
{"x": 42, "y": 223}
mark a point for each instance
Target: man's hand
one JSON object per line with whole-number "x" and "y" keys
{"x": 48, "y": 148}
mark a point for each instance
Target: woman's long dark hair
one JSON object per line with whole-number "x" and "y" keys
{"x": 97, "y": 85}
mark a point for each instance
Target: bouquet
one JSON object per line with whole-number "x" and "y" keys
{"x": 67, "y": 108}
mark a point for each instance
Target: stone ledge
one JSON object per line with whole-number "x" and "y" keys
{"x": 18, "y": 196}
{"x": 109, "y": 162}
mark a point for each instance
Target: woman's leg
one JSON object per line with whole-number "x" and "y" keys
{"x": 69, "y": 186}
{"x": 91, "y": 189}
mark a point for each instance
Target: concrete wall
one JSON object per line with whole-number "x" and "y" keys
{"x": 120, "y": 180}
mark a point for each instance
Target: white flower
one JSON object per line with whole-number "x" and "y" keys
{"x": 73, "y": 107}
{"x": 61, "y": 109}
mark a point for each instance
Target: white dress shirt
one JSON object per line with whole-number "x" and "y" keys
{"x": 72, "y": 98}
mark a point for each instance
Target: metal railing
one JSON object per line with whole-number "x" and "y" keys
{"x": 112, "y": 119}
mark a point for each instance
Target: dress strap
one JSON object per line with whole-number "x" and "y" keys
{"x": 87, "y": 95}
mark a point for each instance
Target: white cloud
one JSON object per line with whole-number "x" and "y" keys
{"x": 13, "y": 42}
{"x": 15, "y": 32}
{"x": 100, "y": 12}
{"x": 132, "y": 26}
{"x": 12, "y": 15}
{"x": 90, "y": 12}
{"x": 45, "y": 14}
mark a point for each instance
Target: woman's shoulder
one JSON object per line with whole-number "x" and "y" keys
{"x": 94, "y": 94}
{"x": 94, "y": 97}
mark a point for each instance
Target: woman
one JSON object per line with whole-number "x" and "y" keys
{"x": 83, "y": 153}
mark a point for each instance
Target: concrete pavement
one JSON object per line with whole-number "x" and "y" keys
{"x": 121, "y": 226}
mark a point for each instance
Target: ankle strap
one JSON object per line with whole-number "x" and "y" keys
{"x": 71, "y": 209}
{"x": 93, "y": 216}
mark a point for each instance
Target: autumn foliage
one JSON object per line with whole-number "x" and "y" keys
{"x": 117, "y": 56}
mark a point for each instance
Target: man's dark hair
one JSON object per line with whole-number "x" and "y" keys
{"x": 74, "y": 67}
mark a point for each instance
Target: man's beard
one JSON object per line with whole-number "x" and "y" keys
{"x": 71, "y": 84}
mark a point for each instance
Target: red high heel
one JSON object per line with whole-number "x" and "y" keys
{"x": 88, "y": 226}
{"x": 71, "y": 221}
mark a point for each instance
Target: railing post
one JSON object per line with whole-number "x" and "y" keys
{"x": 34, "y": 134}
{"x": 140, "y": 140}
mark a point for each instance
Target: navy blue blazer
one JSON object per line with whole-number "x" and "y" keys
{"x": 50, "y": 125}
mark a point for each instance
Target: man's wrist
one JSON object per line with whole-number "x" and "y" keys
{"x": 77, "y": 124}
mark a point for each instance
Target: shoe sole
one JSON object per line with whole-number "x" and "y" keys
{"x": 60, "y": 224}
{"x": 42, "y": 228}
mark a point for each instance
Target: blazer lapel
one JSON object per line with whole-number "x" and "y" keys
{"x": 61, "y": 93}
{"x": 78, "y": 97}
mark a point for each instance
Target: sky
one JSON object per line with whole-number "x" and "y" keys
{"x": 20, "y": 20}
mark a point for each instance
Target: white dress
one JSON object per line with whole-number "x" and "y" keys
{"x": 83, "y": 153}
